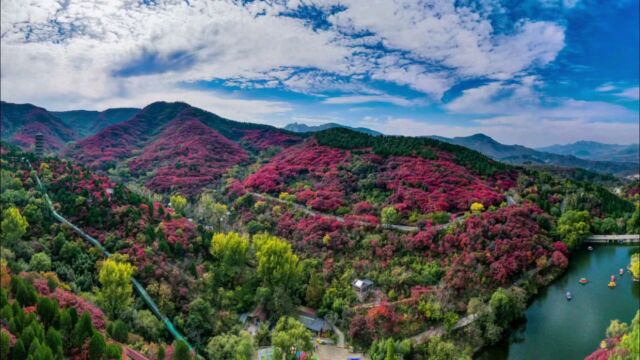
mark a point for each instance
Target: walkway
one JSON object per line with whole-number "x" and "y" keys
{"x": 136, "y": 284}
{"x": 308, "y": 211}
{"x": 604, "y": 239}
{"x": 424, "y": 336}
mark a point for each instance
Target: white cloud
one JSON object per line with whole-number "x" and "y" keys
{"x": 457, "y": 38}
{"x": 71, "y": 49}
{"x": 499, "y": 97}
{"x": 606, "y": 88}
{"x": 361, "y": 99}
{"x": 632, "y": 93}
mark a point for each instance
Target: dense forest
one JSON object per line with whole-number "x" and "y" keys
{"x": 243, "y": 264}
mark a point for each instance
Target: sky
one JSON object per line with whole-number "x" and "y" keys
{"x": 530, "y": 72}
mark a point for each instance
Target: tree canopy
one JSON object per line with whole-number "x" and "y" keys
{"x": 115, "y": 293}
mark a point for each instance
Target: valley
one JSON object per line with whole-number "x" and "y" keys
{"x": 242, "y": 237}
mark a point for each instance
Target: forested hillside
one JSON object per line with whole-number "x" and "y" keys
{"x": 222, "y": 250}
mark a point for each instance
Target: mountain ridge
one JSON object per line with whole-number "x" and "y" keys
{"x": 593, "y": 150}
{"x": 304, "y": 128}
{"x": 518, "y": 154}
{"x": 89, "y": 122}
{"x": 21, "y": 122}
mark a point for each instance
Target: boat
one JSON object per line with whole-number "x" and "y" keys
{"x": 569, "y": 296}
{"x": 590, "y": 248}
{"x": 613, "y": 278}
{"x": 583, "y": 281}
{"x": 621, "y": 271}
{"x": 612, "y": 284}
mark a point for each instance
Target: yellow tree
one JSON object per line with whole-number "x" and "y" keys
{"x": 634, "y": 267}
{"x": 477, "y": 207}
{"x": 115, "y": 279}
{"x": 178, "y": 203}
{"x": 231, "y": 250}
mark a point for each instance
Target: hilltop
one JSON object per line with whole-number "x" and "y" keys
{"x": 303, "y": 128}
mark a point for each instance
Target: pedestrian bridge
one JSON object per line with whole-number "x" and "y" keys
{"x": 614, "y": 239}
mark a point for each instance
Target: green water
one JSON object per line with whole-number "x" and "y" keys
{"x": 559, "y": 329}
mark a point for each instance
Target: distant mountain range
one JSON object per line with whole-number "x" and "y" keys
{"x": 518, "y": 154}
{"x": 163, "y": 133}
{"x": 303, "y": 128}
{"x": 592, "y": 150}
{"x": 86, "y": 122}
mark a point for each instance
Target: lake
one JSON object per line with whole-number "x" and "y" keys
{"x": 559, "y": 329}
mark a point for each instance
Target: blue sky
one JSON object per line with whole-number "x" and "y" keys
{"x": 533, "y": 72}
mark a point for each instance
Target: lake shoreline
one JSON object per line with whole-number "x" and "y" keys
{"x": 593, "y": 300}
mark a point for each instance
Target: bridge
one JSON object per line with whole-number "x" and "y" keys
{"x": 613, "y": 239}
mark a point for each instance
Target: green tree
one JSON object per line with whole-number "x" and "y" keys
{"x": 278, "y": 269}
{"x": 4, "y": 344}
{"x": 315, "y": 291}
{"x": 47, "y": 310}
{"x": 13, "y": 226}
{"x": 290, "y": 334}
{"x": 507, "y": 305}
{"x": 118, "y": 331}
{"x": 82, "y": 330}
{"x": 114, "y": 351}
{"x": 40, "y": 262}
{"x": 25, "y": 293}
{"x": 97, "y": 347}
{"x": 450, "y": 320}
{"x": 66, "y": 324}
{"x": 391, "y": 350}
{"x": 181, "y": 351}
{"x": 633, "y": 224}
{"x": 115, "y": 293}
{"x": 389, "y": 215}
{"x": 573, "y": 227}
{"x": 54, "y": 341}
{"x": 199, "y": 323}
{"x": 19, "y": 352}
{"x": 148, "y": 325}
{"x": 231, "y": 347}
{"x": 438, "y": 349}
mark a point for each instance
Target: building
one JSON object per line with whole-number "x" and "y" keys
{"x": 39, "y": 147}
{"x": 362, "y": 287}
{"x": 253, "y": 320}
{"x": 318, "y": 326}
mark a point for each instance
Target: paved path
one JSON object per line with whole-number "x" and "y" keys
{"x": 308, "y": 211}
{"x": 424, "y": 336}
{"x": 340, "y": 343}
{"x": 134, "y": 355}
